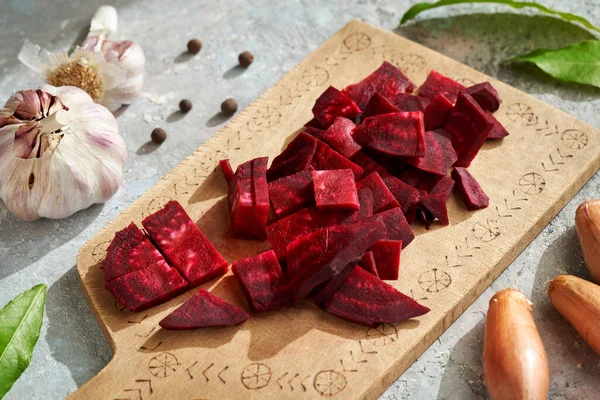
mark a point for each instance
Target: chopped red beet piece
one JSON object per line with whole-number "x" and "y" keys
{"x": 387, "y": 258}
{"x": 378, "y": 105}
{"x": 396, "y": 134}
{"x": 323, "y": 219}
{"x": 339, "y": 137}
{"x": 436, "y": 205}
{"x": 227, "y": 170}
{"x": 439, "y": 153}
{"x": 147, "y": 287}
{"x": 436, "y": 113}
{"x": 437, "y": 83}
{"x": 365, "y": 299}
{"x": 387, "y": 80}
{"x": 419, "y": 179}
{"x": 444, "y": 186}
{"x": 324, "y": 291}
{"x": 288, "y": 229}
{"x": 335, "y": 190}
{"x": 396, "y": 225}
{"x": 333, "y": 103}
{"x": 319, "y": 256}
{"x": 204, "y": 310}
{"x": 296, "y": 157}
{"x": 312, "y": 131}
{"x": 184, "y": 246}
{"x": 469, "y": 189}
{"x": 469, "y": 126}
{"x": 314, "y": 123}
{"x": 498, "y": 130}
{"x": 292, "y": 193}
{"x": 409, "y": 102}
{"x": 260, "y": 278}
{"x": 485, "y": 95}
{"x": 383, "y": 199}
{"x": 326, "y": 158}
{"x": 367, "y": 262}
{"x": 130, "y": 250}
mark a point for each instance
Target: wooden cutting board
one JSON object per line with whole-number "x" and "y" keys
{"x": 302, "y": 352}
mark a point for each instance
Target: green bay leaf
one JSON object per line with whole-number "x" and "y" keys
{"x": 420, "y": 7}
{"x": 20, "y": 325}
{"x": 579, "y": 63}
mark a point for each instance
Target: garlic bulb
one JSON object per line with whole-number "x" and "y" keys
{"x": 59, "y": 153}
{"x": 112, "y": 73}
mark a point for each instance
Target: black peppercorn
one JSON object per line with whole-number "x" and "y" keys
{"x": 185, "y": 105}
{"x": 229, "y": 107}
{"x": 158, "y": 135}
{"x": 245, "y": 59}
{"x": 194, "y": 46}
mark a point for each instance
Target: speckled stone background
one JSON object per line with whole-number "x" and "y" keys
{"x": 280, "y": 34}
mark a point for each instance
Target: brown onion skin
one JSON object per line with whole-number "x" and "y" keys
{"x": 587, "y": 222}
{"x": 515, "y": 365}
{"x": 578, "y": 301}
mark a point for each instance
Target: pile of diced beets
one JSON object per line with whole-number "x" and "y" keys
{"x": 336, "y": 206}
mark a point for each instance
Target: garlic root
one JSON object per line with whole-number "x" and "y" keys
{"x": 578, "y": 301}
{"x": 587, "y": 222}
{"x": 515, "y": 365}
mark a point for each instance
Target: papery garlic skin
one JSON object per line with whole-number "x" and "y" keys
{"x": 54, "y": 174}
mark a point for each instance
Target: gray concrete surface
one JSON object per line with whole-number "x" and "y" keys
{"x": 71, "y": 348}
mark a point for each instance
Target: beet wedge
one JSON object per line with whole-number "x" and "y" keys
{"x": 227, "y": 170}
{"x": 183, "y": 245}
{"x": 147, "y": 287}
{"x": 498, "y": 130}
{"x": 395, "y": 134}
{"x": 435, "y": 204}
{"x": 378, "y": 105}
{"x": 437, "y": 83}
{"x": 204, "y": 310}
{"x": 387, "y": 80}
{"x": 439, "y": 153}
{"x": 367, "y": 262}
{"x": 366, "y": 300}
{"x": 485, "y": 95}
{"x": 333, "y": 103}
{"x": 288, "y": 229}
{"x": 296, "y": 157}
{"x": 387, "y": 258}
{"x": 335, "y": 190}
{"x": 383, "y": 199}
{"x": 469, "y": 127}
{"x": 321, "y": 255}
{"x": 339, "y": 137}
{"x": 130, "y": 250}
{"x": 409, "y": 102}
{"x": 397, "y": 227}
{"x": 436, "y": 113}
{"x": 326, "y": 158}
{"x": 444, "y": 186}
{"x": 469, "y": 189}
{"x": 292, "y": 193}
{"x": 261, "y": 280}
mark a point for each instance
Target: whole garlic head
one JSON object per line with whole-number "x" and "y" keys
{"x": 59, "y": 153}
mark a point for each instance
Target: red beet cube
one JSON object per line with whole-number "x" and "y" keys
{"x": 333, "y": 103}
{"x": 498, "y": 130}
{"x": 387, "y": 258}
{"x": 485, "y": 95}
{"x": 437, "y": 83}
{"x": 365, "y": 299}
{"x": 204, "y": 310}
{"x": 323, "y": 219}
{"x": 288, "y": 229}
{"x": 326, "y": 158}
{"x": 383, "y": 199}
{"x": 130, "y": 250}
{"x": 184, "y": 246}
{"x": 378, "y": 105}
{"x": 439, "y": 153}
{"x": 396, "y": 225}
{"x": 396, "y": 134}
{"x": 147, "y": 287}
{"x": 469, "y": 189}
{"x": 339, "y": 137}
{"x": 292, "y": 193}
{"x": 435, "y": 205}
{"x": 319, "y": 256}
{"x": 436, "y": 113}
{"x": 409, "y": 102}
{"x": 387, "y": 80}
{"x": 335, "y": 190}
{"x": 227, "y": 170}
{"x": 260, "y": 278}
{"x": 296, "y": 157}
{"x": 367, "y": 262}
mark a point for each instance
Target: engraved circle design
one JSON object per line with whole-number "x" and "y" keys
{"x": 315, "y": 76}
{"x": 434, "y": 281}
{"x": 99, "y": 252}
{"x": 523, "y": 113}
{"x": 157, "y": 203}
{"x": 485, "y": 232}
{"x": 357, "y": 41}
{"x": 406, "y": 62}
{"x": 329, "y": 383}
{"x": 465, "y": 81}
{"x": 574, "y": 139}
{"x": 532, "y": 183}
{"x": 256, "y": 376}
{"x": 163, "y": 365}
{"x": 382, "y": 335}
{"x": 264, "y": 118}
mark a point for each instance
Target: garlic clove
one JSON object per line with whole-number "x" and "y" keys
{"x": 587, "y": 223}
